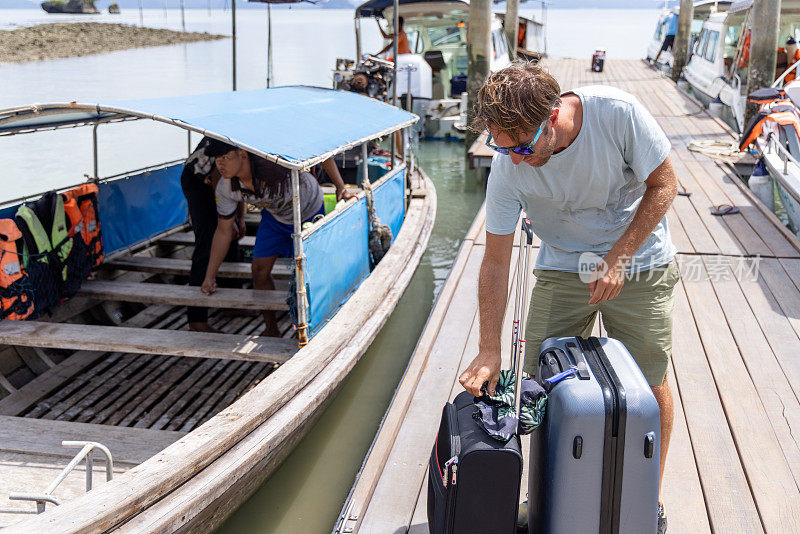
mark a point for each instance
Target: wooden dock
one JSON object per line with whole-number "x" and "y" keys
{"x": 734, "y": 461}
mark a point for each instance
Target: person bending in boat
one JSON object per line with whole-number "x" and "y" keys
{"x": 255, "y": 180}
{"x": 590, "y": 167}
{"x": 198, "y": 181}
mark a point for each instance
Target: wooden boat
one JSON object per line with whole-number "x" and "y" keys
{"x": 195, "y": 422}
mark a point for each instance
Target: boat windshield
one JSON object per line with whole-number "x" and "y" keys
{"x": 445, "y": 36}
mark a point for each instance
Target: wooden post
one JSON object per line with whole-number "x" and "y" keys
{"x": 183, "y": 16}
{"x": 299, "y": 262}
{"x": 233, "y": 39}
{"x": 512, "y": 26}
{"x": 765, "y": 17}
{"x": 680, "y": 49}
{"x": 479, "y": 48}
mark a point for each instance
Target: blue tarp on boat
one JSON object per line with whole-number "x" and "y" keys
{"x": 139, "y": 207}
{"x": 331, "y": 276}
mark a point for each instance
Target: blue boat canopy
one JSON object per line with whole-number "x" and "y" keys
{"x": 295, "y": 126}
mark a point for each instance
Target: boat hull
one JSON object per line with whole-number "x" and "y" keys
{"x": 193, "y": 495}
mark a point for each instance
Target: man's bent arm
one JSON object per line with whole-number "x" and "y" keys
{"x": 219, "y": 246}
{"x": 662, "y": 186}
{"x": 492, "y": 296}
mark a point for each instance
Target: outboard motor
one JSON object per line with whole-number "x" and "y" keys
{"x": 372, "y": 77}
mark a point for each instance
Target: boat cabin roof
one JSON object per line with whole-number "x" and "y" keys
{"x": 296, "y": 127}
{"x": 416, "y": 8}
{"x": 787, "y": 6}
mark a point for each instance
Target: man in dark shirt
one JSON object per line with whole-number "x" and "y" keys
{"x": 198, "y": 181}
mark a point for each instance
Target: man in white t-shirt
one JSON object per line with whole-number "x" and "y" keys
{"x": 254, "y": 180}
{"x": 590, "y": 168}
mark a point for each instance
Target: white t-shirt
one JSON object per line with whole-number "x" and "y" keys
{"x": 584, "y": 198}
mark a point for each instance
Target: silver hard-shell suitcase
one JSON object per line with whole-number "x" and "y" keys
{"x": 595, "y": 458}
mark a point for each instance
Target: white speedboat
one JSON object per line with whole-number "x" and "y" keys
{"x": 434, "y": 74}
{"x": 665, "y": 59}
{"x": 717, "y": 70}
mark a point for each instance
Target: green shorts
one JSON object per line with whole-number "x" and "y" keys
{"x": 640, "y": 316}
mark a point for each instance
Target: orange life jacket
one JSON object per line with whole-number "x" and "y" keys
{"x": 781, "y": 111}
{"x": 791, "y": 75}
{"x": 16, "y": 300}
{"x": 80, "y": 204}
{"x": 745, "y": 58}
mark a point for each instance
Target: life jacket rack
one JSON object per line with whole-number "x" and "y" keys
{"x": 47, "y": 251}
{"x": 774, "y": 107}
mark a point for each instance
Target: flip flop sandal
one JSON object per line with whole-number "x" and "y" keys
{"x": 683, "y": 192}
{"x": 724, "y": 209}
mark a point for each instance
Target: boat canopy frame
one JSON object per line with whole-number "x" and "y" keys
{"x": 38, "y": 117}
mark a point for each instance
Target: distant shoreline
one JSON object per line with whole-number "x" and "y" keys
{"x": 72, "y": 39}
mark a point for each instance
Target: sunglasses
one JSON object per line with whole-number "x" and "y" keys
{"x": 522, "y": 150}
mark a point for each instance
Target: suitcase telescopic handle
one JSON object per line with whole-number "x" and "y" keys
{"x": 521, "y": 308}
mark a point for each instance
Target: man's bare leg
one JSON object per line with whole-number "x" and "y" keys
{"x": 262, "y": 279}
{"x": 665, "y": 407}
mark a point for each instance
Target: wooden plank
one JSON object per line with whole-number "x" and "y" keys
{"x": 782, "y": 278}
{"x": 404, "y": 394}
{"x": 35, "y": 359}
{"x": 392, "y": 503}
{"x": 126, "y": 415}
{"x": 67, "y": 389}
{"x": 681, "y": 489}
{"x": 95, "y": 388}
{"x": 41, "y": 385}
{"x": 679, "y": 236}
{"x": 194, "y": 399}
{"x": 728, "y": 498}
{"x": 187, "y": 238}
{"x": 5, "y": 384}
{"x": 178, "y": 266}
{"x": 242, "y": 299}
{"x": 127, "y": 445}
{"x": 762, "y": 334}
{"x": 144, "y": 341}
{"x": 775, "y": 492}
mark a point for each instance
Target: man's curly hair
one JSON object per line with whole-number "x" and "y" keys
{"x": 516, "y": 99}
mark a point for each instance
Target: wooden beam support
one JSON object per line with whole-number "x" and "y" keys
{"x": 42, "y": 436}
{"x": 144, "y": 341}
{"x": 187, "y": 238}
{"x": 282, "y": 269}
{"x": 241, "y": 299}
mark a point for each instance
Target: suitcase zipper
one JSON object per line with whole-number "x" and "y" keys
{"x": 455, "y": 444}
{"x": 614, "y": 445}
{"x": 455, "y": 450}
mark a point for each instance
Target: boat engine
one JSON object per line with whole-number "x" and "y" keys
{"x": 372, "y": 77}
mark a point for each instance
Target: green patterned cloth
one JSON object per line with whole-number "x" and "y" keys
{"x": 496, "y": 414}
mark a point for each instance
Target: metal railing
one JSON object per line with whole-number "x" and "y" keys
{"x": 786, "y": 158}
{"x": 41, "y": 499}
{"x": 795, "y": 67}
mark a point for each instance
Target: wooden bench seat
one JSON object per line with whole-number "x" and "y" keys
{"x": 146, "y": 341}
{"x": 41, "y": 436}
{"x": 187, "y": 238}
{"x": 241, "y": 299}
{"x": 282, "y": 268}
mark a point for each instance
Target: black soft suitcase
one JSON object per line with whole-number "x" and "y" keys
{"x": 474, "y": 479}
